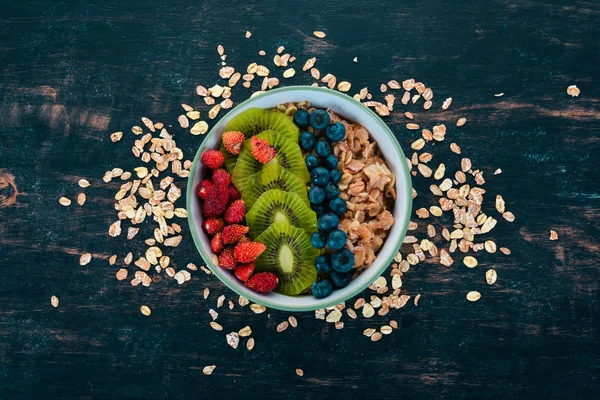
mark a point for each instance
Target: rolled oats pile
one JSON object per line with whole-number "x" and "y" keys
{"x": 368, "y": 186}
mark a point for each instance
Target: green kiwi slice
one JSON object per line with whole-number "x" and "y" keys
{"x": 256, "y": 120}
{"x": 273, "y": 176}
{"x": 276, "y": 206}
{"x": 288, "y": 155}
{"x": 290, "y": 256}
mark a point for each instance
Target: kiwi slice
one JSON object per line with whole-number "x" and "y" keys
{"x": 276, "y": 206}
{"x": 273, "y": 176}
{"x": 255, "y": 120}
{"x": 288, "y": 156}
{"x": 290, "y": 256}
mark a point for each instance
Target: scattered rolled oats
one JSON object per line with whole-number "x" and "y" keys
{"x": 257, "y": 308}
{"x": 145, "y": 310}
{"x": 573, "y": 91}
{"x": 491, "y": 276}
{"x": 293, "y": 321}
{"x": 85, "y": 259}
{"x": 368, "y": 311}
{"x": 282, "y": 326}
{"x": 64, "y": 201}
{"x": 470, "y": 261}
{"x": 490, "y": 246}
{"x": 319, "y": 34}
{"x": 245, "y": 331}
{"x": 299, "y": 372}
{"x": 376, "y": 336}
{"x": 553, "y": 235}
{"x": 199, "y": 128}
{"x": 208, "y": 370}
{"x": 54, "y": 301}
{"x": 344, "y": 86}
{"x": 473, "y": 296}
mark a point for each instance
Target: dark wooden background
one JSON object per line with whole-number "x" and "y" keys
{"x": 73, "y": 72}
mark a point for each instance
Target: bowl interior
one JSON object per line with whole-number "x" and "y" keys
{"x": 352, "y": 110}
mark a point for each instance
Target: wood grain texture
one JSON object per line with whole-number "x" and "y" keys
{"x": 73, "y": 72}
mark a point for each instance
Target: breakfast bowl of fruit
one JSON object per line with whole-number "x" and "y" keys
{"x": 299, "y": 198}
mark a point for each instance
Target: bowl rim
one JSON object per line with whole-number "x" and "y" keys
{"x": 330, "y": 300}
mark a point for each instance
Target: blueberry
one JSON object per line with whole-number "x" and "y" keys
{"x": 338, "y": 205}
{"x": 328, "y": 222}
{"x": 321, "y": 289}
{"x": 323, "y": 148}
{"x": 307, "y": 140}
{"x": 318, "y": 240}
{"x": 322, "y": 264}
{"x": 335, "y": 132}
{"x": 336, "y": 239}
{"x": 332, "y": 191}
{"x": 330, "y": 162}
{"x": 335, "y": 175}
{"x": 311, "y": 161}
{"x": 319, "y": 209}
{"x": 301, "y": 118}
{"x": 319, "y": 119}
{"x": 319, "y": 176}
{"x": 340, "y": 280}
{"x": 316, "y": 195}
{"x": 342, "y": 260}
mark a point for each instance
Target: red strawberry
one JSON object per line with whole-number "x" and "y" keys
{"x": 213, "y": 159}
{"x": 263, "y": 282}
{"x": 213, "y": 225}
{"x": 236, "y": 211}
{"x": 233, "y": 193}
{"x": 261, "y": 150}
{"x": 244, "y": 271}
{"x": 202, "y": 187}
{"x": 226, "y": 259}
{"x": 215, "y": 201}
{"x": 233, "y": 233}
{"x": 216, "y": 244}
{"x": 221, "y": 177}
{"x": 248, "y": 251}
{"x": 232, "y": 141}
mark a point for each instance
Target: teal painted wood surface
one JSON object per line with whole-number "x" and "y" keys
{"x": 73, "y": 72}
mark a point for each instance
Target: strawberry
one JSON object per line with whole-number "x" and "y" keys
{"x": 227, "y": 260}
{"x": 236, "y": 211}
{"x": 248, "y": 251}
{"x": 216, "y": 244}
{"x": 233, "y": 193}
{"x": 221, "y": 177}
{"x": 213, "y": 225}
{"x": 263, "y": 282}
{"x": 233, "y": 233}
{"x": 202, "y": 187}
{"x": 215, "y": 201}
{"x": 244, "y": 271}
{"x": 213, "y": 159}
{"x": 261, "y": 150}
{"x": 233, "y": 141}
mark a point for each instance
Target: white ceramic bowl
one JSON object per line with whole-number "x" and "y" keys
{"x": 352, "y": 110}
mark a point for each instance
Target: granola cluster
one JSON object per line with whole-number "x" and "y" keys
{"x": 368, "y": 186}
